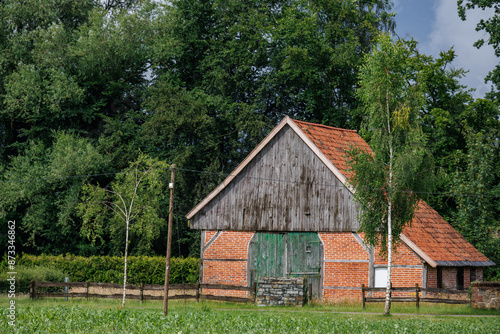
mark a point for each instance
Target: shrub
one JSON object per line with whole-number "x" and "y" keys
{"x": 109, "y": 269}
{"x": 26, "y": 274}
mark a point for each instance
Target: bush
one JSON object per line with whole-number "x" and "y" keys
{"x": 26, "y": 274}
{"x": 109, "y": 269}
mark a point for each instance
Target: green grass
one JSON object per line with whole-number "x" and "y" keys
{"x": 106, "y": 316}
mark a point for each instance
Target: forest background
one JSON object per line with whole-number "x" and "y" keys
{"x": 88, "y": 87}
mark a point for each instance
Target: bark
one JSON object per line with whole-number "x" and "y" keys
{"x": 125, "y": 266}
{"x": 387, "y": 308}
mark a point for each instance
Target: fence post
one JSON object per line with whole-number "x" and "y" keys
{"x": 417, "y": 295}
{"x": 310, "y": 293}
{"x": 66, "y": 279}
{"x": 142, "y": 291}
{"x": 363, "y": 294}
{"x": 87, "y": 291}
{"x": 198, "y": 292}
{"x": 32, "y": 290}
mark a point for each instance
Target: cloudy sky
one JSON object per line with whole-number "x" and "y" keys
{"x": 436, "y": 26}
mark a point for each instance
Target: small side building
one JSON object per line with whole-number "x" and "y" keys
{"x": 287, "y": 210}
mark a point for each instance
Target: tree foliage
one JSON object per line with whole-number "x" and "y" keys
{"x": 492, "y": 27}
{"x": 477, "y": 185}
{"x": 41, "y": 188}
{"x": 392, "y": 93}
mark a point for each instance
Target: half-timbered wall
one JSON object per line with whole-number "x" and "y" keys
{"x": 286, "y": 187}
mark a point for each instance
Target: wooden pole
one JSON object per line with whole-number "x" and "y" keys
{"x": 363, "y": 295}
{"x": 32, "y": 290}
{"x": 169, "y": 240}
{"x": 417, "y": 295}
{"x": 87, "y": 291}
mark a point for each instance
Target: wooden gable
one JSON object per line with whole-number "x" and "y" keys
{"x": 285, "y": 186}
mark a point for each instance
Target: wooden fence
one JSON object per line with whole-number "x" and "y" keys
{"x": 417, "y": 299}
{"x": 198, "y": 288}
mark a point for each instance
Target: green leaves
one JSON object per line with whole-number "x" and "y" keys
{"x": 134, "y": 197}
{"x": 475, "y": 186}
{"x": 41, "y": 188}
{"x": 400, "y": 166}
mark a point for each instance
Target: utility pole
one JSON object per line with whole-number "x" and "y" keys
{"x": 169, "y": 240}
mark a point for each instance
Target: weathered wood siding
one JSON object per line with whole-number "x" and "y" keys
{"x": 286, "y": 187}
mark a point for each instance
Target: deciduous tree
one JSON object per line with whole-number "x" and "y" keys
{"x": 387, "y": 180}
{"x": 132, "y": 199}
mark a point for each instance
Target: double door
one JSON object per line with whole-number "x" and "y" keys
{"x": 287, "y": 255}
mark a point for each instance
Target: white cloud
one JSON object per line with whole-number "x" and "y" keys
{"x": 449, "y": 30}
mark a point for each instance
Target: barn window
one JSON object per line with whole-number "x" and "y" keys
{"x": 308, "y": 249}
{"x": 472, "y": 274}
{"x": 440, "y": 278}
{"x": 380, "y": 277}
{"x": 460, "y": 278}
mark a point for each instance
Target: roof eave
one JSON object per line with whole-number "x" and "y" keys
{"x": 418, "y": 251}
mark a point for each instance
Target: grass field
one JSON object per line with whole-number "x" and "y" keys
{"x": 106, "y": 316}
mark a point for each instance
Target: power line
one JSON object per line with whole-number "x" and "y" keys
{"x": 245, "y": 177}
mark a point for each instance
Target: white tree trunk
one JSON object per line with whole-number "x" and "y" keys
{"x": 125, "y": 266}
{"x": 387, "y": 308}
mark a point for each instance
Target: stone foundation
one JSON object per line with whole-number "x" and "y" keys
{"x": 280, "y": 291}
{"x": 486, "y": 295}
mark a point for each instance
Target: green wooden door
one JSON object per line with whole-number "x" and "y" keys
{"x": 286, "y": 255}
{"x": 266, "y": 255}
{"x": 304, "y": 258}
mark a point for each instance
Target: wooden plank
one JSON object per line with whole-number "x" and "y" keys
{"x": 445, "y": 291}
{"x": 398, "y": 299}
{"x": 444, "y": 301}
{"x": 225, "y": 287}
{"x": 227, "y": 299}
{"x": 60, "y": 284}
{"x": 182, "y": 286}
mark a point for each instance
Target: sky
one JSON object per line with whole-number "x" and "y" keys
{"x": 436, "y": 26}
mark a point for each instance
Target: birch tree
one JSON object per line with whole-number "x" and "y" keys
{"x": 387, "y": 180}
{"x": 133, "y": 199}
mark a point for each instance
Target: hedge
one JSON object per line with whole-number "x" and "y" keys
{"x": 109, "y": 269}
{"x": 24, "y": 275}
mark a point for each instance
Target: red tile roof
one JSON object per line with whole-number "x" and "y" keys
{"x": 428, "y": 230}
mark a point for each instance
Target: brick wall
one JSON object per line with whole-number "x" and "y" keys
{"x": 486, "y": 295}
{"x": 346, "y": 266}
{"x": 231, "y": 246}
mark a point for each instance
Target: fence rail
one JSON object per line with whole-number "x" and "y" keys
{"x": 198, "y": 288}
{"x": 417, "y": 299}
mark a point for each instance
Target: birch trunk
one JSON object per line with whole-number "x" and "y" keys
{"x": 387, "y": 308}
{"x": 125, "y": 266}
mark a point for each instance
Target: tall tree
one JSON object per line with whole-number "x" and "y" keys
{"x": 280, "y": 57}
{"x": 387, "y": 180}
{"x": 69, "y": 65}
{"x": 476, "y": 184}
{"x": 492, "y": 27}
{"x": 40, "y": 189}
{"x": 132, "y": 199}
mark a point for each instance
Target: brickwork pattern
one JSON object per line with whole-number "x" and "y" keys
{"x": 228, "y": 245}
{"x": 342, "y": 246}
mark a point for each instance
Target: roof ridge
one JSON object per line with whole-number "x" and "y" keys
{"x": 323, "y": 126}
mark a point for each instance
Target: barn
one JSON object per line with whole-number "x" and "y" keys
{"x": 287, "y": 210}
